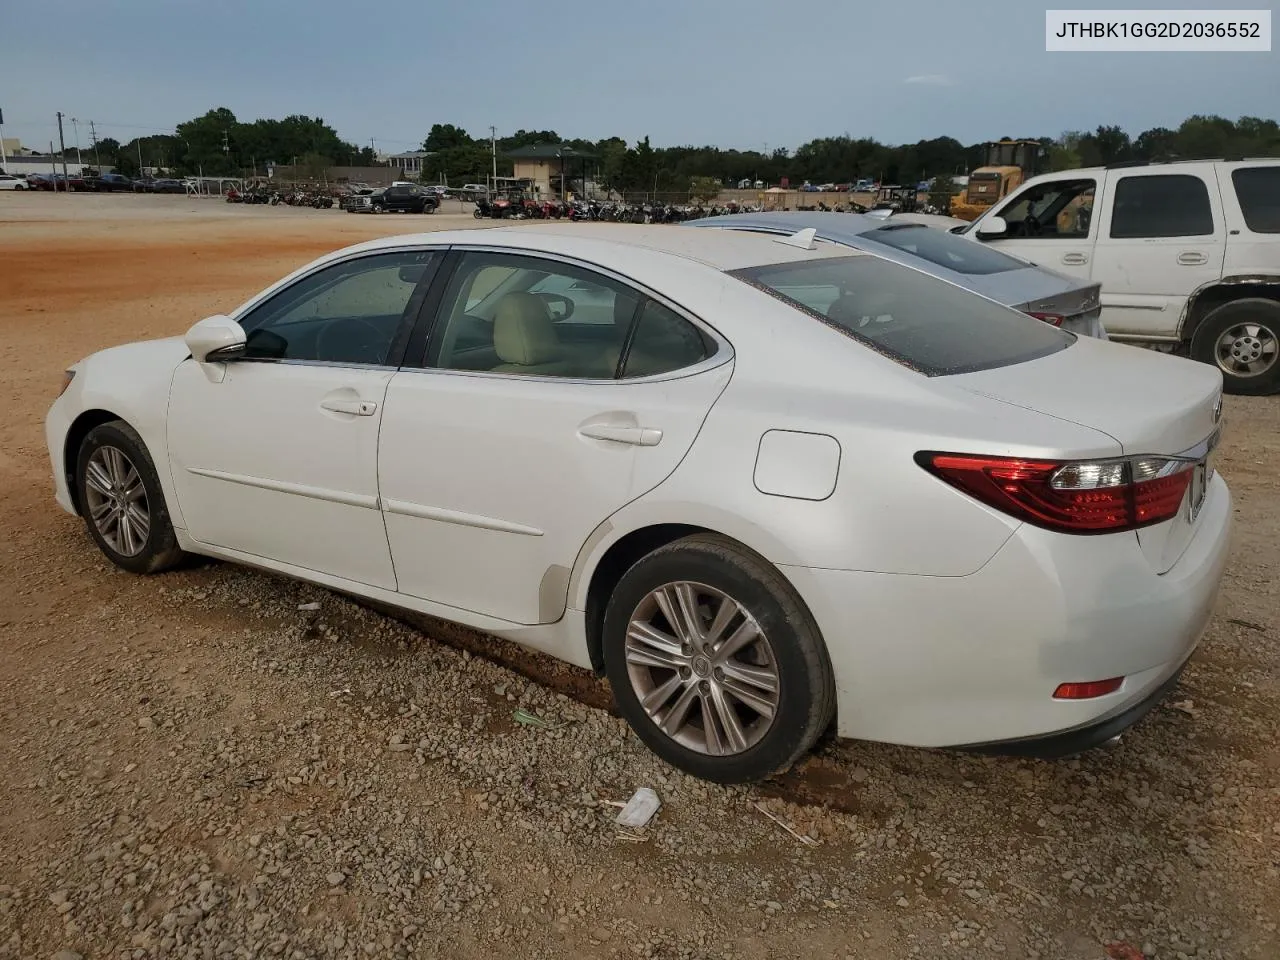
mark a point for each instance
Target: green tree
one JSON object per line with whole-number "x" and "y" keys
{"x": 445, "y": 136}
{"x": 705, "y": 189}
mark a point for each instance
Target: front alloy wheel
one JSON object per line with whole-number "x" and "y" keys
{"x": 119, "y": 495}
{"x": 116, "y": 501}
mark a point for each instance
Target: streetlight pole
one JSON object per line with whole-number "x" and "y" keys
{"x": 493, "y": 147}
{"x": 75, "y": 126}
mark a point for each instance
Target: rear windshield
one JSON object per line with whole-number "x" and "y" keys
{"x": 944, "y": 249}
{"x": 1258, "y": 190}
{"x": 924, "y": 323}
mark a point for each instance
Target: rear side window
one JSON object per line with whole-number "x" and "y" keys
{"x": 1167, "y": 205}
{"x": 1258, "y": 190}
{"x": 663, "y": 341}
{"x": 922, "y": 322}
{"x": 944, "y": 249}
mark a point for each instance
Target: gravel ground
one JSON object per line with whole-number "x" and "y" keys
{"x": 195, "y": 767}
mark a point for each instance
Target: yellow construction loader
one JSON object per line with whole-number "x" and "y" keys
{"x": 1009, "y": 163}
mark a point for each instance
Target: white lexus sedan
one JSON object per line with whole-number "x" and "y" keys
{"x": 766, "y": 485}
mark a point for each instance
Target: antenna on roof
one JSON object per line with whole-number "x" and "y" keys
{"x": 801, "y": 238}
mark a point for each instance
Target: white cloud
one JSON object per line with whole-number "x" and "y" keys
{"x": 931, "y": 80}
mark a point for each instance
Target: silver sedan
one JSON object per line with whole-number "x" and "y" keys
{"x": 1060, "y": 300}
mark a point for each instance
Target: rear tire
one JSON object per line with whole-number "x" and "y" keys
{"x": 122, "y": 501}
{"x": 733, "y": 693}
{"x": 1242, "y": 339}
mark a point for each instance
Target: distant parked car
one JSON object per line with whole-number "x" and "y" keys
{"x": 39, "y": 181}
{"x": 168, "y": 186}
{"x": 108, "y": 182}
{"x": 1052, "y": 297}
{"x": 143, "y": 184}
{"x": 12, "y": 183}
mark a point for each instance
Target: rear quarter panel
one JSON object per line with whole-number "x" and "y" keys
{"x": 886, "y": 514}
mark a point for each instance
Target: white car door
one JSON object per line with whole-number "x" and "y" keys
{"x": 523, "y": 430}
{"x": 275, "y": 454}
{"x": 1161, "y": 237}
{"x": 1050, "y": 223}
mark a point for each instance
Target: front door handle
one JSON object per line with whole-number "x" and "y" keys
{"x": 637, "y": 436}
{"x": 356, "y": 408}
{"x": 1075, "y": 259}
{"x": 1192, "y": 259}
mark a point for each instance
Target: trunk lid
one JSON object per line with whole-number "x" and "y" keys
{"x": 1149, "y": 402}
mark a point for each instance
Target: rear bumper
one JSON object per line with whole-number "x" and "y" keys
{"x": 1070, "y": 742}
{"x": 958, "y": 661}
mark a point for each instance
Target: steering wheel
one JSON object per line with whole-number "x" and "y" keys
{"x": 360, "y": 341}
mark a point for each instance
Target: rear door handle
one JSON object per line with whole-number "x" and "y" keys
{"x": 1192, "y": 259}
{"x": 356, "y": 408}
{"x": 637, "y": 436}
{"x": 1075, "y": 259}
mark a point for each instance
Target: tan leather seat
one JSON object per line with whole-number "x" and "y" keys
{"x": 524, "y": 336}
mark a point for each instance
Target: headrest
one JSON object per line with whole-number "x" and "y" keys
{"x": 522, "y": 330}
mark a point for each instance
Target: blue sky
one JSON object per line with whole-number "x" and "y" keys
{"x": 743, "y": 73}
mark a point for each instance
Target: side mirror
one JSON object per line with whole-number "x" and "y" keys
{"x": 992, "y": 227}
{"x": 215, "y": 338}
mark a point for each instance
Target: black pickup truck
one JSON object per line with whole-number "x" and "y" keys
{"x": 401, "y": 197}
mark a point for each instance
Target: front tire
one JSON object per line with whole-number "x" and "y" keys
{"x": 122, "y": 501}
{"x": 716, "y": 662}
{"x": 1242, "y": 338}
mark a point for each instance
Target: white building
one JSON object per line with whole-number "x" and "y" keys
{"x": 35, "y": 163}
{"x": 411, "y": 163}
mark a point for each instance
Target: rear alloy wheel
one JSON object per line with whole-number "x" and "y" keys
{"x": 1243, "y": 339}
{"x": 715, "y": 662}
{"x": 121, "y": 500}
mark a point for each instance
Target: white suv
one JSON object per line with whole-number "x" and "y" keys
{"x": 1188, "y": 254}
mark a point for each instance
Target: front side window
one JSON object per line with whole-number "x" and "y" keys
{"x": 944, "y": 249}
{"x": 347, "y": 313}
{"x": 1162, "y": 205}
{"x": 1057, "y": 210}
{"x": 1258, "y": 190}
{"x": 922, "y": 322}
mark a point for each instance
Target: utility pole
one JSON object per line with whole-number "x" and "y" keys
{"x": 93, "y": 136}
{"x": 493, "y": 148}
{"x": 141, "y": 172}
{"x": 53, "y": 164}
{"x": 75, "y": 126}
{"x": 4, "y": 160}
{"x": 63, "y": 147}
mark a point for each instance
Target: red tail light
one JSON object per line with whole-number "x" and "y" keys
{"x": 1080, "y": 496}
{"x": 1087, "y": 691}
{"x": 1052, "y": 318}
